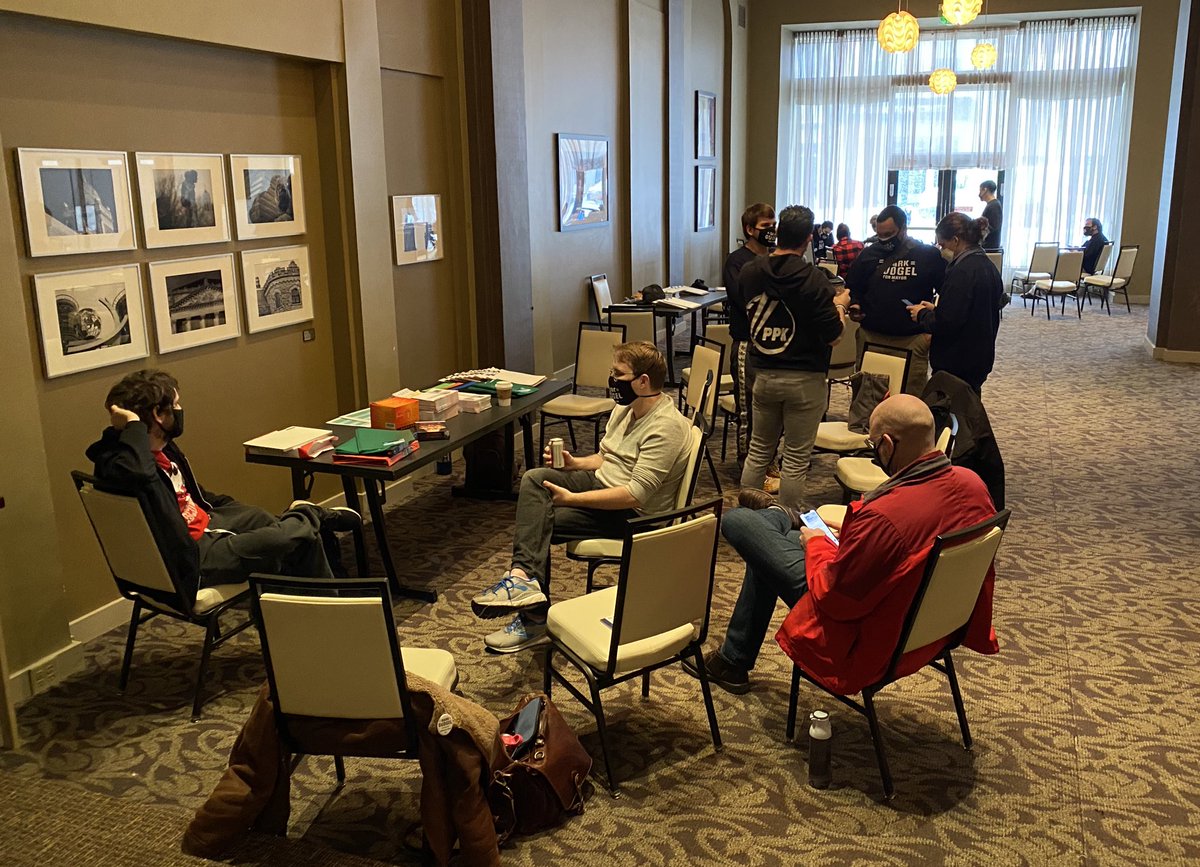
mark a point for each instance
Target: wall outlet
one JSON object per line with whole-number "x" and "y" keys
{"x": 42, "y": 677}
{"x": 308, "y": 335}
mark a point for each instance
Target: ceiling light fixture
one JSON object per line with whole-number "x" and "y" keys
{"x": 943, "y": 81}
{"x": 898, "y": 32}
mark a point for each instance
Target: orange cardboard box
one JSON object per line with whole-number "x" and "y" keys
{"x": 395, "y": 413}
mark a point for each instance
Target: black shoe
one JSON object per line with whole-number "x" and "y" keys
{"x": 339, "y": 519}
{"x": 728, "y": 677}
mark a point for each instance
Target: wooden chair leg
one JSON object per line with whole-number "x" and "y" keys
{"x": 134, "y": 622}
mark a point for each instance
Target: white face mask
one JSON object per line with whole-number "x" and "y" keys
{"x": 948, "y": 255}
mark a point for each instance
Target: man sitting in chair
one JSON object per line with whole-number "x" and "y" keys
{"x": 198, "y": 531}
{"x": 637, "y": 470}
{"x": 848, "y": 601}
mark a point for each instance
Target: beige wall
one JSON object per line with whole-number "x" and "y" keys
{"x": 735, "y": 124}
{"x": 573, "y": 62}
{"x": 704, "y": 69}
{"x": 646, "y": 147}
{"x": 1151, "y": 96}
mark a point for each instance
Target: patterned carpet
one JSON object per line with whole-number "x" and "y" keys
{"x": 1086, "y": 725}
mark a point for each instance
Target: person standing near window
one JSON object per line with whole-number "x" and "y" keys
{"x": 993, "y": 213}
{"x": 964, "y": 323}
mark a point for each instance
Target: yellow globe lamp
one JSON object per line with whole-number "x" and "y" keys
{"x": 983, "y": 55}
{"x": 960, "y": 12}
{"x": 898, "y": 33}
{"x": 943, "y": 81}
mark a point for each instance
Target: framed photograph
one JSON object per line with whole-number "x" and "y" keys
{"x": 195, "y": 301}
{"x": 278, "y": 287}
{"x": 582, "y": 181}
{"x": 76, "y": 201}
{"x": 706, "y": 125}
{"x": 268, "y": 195}
{"x": 706, "y": 198}
{"x": 183, "y": 199}
{"x": 417, "y": 226}
{"x": 90, "y": 318}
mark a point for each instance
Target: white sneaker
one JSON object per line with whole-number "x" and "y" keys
{"x": 518, "y": 635}
{"x": 508, "y": 594}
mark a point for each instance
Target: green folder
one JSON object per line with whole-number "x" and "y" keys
{"x": 373, "y": 441}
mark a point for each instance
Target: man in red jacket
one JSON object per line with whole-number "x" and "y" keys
{"x": 848, "y": 601}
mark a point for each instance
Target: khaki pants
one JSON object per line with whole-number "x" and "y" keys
{"x": 918, "y": 369}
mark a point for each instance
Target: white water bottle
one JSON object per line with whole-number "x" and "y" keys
{"x": 820, "y": 731}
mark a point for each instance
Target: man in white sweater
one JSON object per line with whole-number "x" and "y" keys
{"x": 637, "y": 471}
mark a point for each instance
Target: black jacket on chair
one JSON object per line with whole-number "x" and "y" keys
{"x": 975, "y": 445}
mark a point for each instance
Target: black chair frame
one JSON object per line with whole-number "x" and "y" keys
{"x": 601, "y": 680}
{"x": 261, "y": 583}
{"x": 146, "y": 608}
{"x": 943, "y": 663}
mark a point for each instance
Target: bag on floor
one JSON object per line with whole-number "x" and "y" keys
{"x": 542, "y": 778}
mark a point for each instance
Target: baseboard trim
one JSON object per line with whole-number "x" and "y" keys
{"x": 45, "y": 673}
{"x": 95, "y": 623}
{"x": 1175, "y": 356}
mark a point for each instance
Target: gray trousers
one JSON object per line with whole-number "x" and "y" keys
{"x": 918, "y": 369}
{"x": 540, "y": 522}
{"x": 791, "y": 403}
{"x": 287, "y": 545}
{"x": 743, "y": 385}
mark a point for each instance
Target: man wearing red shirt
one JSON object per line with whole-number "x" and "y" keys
{"x": 846, "y": 250}
{"x": 848, "y": 601}
{"x": 205, "y": 538}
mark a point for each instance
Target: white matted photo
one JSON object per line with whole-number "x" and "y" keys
{"x": 416, "y": 223}
{"x": 195, "y": 301}
{"x": 90, "y": 318}
{"x": 183, "y": 199}
{"x": 278, "y": 287}
{"x": 268, "y": 195}
{"x": 76, "y": 201}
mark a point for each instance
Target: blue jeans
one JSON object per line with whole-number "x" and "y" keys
{"x": 774, "y": 570}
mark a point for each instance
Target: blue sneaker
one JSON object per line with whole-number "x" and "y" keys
{"x": 518, "y": 635}
{"x": 508, "y": 594}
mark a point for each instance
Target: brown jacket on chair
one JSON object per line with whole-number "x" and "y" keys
{"x": 253, "y": 793}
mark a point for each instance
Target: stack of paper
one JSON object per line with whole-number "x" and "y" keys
{"x": 474, "y": 403}
{"x": 292, "y": 442}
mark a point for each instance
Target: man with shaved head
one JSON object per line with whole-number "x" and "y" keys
{"x": 847, "y": 601}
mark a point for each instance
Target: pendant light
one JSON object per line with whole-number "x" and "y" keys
{"x": 983, "y": 55}
{"x": 943, "y": 81}
{"x": 960, "y": 12}
{"x": 898, "y": 32}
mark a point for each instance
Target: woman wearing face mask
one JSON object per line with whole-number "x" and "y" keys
{"x": 966, "y": 318}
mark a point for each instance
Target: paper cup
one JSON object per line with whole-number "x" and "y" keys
{"x": 503, "y": 393}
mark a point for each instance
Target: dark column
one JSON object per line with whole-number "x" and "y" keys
{"x": 494, "y": 65}
{"x": 1175, "y": 294}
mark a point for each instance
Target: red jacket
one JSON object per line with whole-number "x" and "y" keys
{"x": 844, "y": 630}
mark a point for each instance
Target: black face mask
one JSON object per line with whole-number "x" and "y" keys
{"x": 889, "y": 245}
{"x": 175, "y": 431}
{"x": 879, "y": 458}
{"x": 624, "y": 389}
{"x": 767, "y": 238}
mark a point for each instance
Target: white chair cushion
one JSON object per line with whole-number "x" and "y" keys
{"x": 209, "y": 598}
{"x": 578, "y": 405}
{"x": 576, "y": 624}
{"x": 595, "y": 548}
{"x": 1056, "y": 286}
{"x": 1104, "y": 281}
{"x": 727, "y": 404}
{"x": 1030, "y": 276}
{"x": 432, "y": 664}
{"x": 832, "y": 513}
{"x": 860, "y": 474}
{"x": 836, "y": 436}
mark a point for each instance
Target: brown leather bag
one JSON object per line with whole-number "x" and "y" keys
{"x": 546, "y": 783}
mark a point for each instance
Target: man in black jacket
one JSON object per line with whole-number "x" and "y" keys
{"x": 887, "y": 276}
{"x": 1093, "y": 230}
{"x": 205, "y": 538}
{"x": 758, "y": 231}
{"x": 795, "y": 317}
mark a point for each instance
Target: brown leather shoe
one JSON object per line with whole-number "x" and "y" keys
{"x": 728, "y": 677}
{"x": 750, "y": 498}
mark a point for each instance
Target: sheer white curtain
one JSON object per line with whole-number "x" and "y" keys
{"x": 840, "y": 98}
{"x": 1068, "y": 140}
{"x": 1054, "y": 113}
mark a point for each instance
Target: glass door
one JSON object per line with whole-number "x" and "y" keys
{"x": 927, "y": 195}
